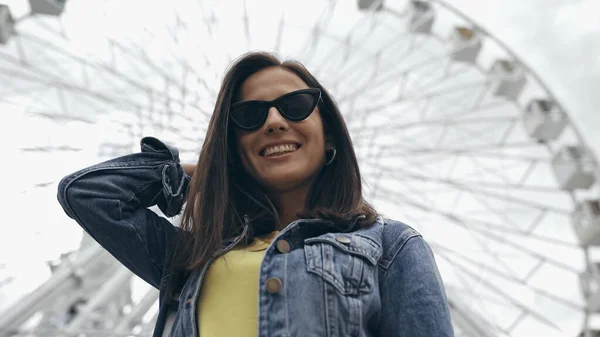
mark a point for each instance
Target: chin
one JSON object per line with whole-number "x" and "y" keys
{"x": 283, "y": 182}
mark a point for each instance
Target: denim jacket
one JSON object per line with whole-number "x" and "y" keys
{"x": 375, "y": 281}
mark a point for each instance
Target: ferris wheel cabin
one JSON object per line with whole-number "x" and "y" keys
{"x": 464, "y": 44}
{"x": 574, "y": 168}
{"x": 37, "y": 7}
{"x": 7, "y": 24}
{"x": 422, "y": 17}
{"x": 586, "y": 219}
{"x": 47, "y": 7}
{"x": 590, "y": 286}
{"x": 508, "y": 79}
{"x": 370, "y": 5}
{"x": 544, "y": 120}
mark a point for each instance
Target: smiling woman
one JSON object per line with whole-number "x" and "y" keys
{"x": 466, "y": 155}
{"x": 276, "y": 238}
{"x": 283, "y": 156}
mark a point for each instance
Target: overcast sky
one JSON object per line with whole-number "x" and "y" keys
{"x": 560, "y": 41}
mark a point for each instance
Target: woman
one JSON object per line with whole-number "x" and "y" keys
{"x": 275, "y": 238}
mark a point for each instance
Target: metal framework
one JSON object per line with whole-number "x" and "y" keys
{"x": 454, "y": 134}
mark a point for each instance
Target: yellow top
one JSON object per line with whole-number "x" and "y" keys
{"x": 228, "y": 304}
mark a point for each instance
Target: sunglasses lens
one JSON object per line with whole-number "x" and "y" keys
{"x": 295, "y": 107}
{"x": 298, "y": 106}
{"x": 249, "y": 115}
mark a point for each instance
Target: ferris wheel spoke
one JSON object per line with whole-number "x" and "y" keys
{"x": 460, "y": 259}
{"x": 454, "y": 121}
{"x": 387, "y": 106}
{"x": 19, "y": 67}
{"x": 393, "y": 150}
{"x": 421, "y": 158}
{"x": 484, "y": 132}
{"x": 478, "y": 300}
{"x": 453, "y": 117}
{"x": 133, "y": 84}
{"x": 280, "y": 29}
{"x": 246, "y": 21}
{"x": 428, "y": 82}
{"x": 353, "y": 63}
{"x": 484, "y": 297}
{"x": 393, "y": 73}
{"x": 498, "y": 172}
{"x": 400, "y": 172}
{"x": 67, "y": 85}
{"x": 386, "y": 79}
{"x": 380, "y": 189}
{"x": 58, "y": 30}
{"x": 456, "y": 186}
{"x": 520, "y": 233}
{"x": 484, "y": 184}
{"x": 472, "y": 149}
{"x": 500, "y": 213}
{"x": 482, "y": 242}
{"x": 514, "y": 229}
{"x": 443, "y": 140}
{"x": 143, "y": 59}
{"x": 312, "y": 39}
{"x": 396, "y": 148}
{"x": 168, "y": 82}
{"x": 517, "y": 304}
{"x": 405, "y": 72}
{"x": 353, "y": 67}
{"x": 209, "y": 19}
{"x": 52, "y": 80}
{"x": 485, "y": 233}
{"x": 459, "y": 104}
{"x": 40, "y": 88}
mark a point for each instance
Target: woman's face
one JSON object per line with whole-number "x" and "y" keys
{"x": 303, "y": 142}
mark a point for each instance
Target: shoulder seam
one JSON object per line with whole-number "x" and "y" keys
{"x": 396, "y": 253}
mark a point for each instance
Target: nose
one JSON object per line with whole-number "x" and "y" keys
{"x": 275, "y": 122}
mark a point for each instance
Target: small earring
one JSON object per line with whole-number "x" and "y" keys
{"x": 332, "y": 156}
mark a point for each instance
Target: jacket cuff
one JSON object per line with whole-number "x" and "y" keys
{"x": 175, "y": 182}
{"x": 154, "y": 145}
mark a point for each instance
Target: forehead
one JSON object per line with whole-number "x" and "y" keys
{"x": 270, "y": 83}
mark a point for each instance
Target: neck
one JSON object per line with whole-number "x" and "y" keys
{"x": 290, "y": 203}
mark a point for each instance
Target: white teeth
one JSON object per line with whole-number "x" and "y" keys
{"x": 274, "y": 150}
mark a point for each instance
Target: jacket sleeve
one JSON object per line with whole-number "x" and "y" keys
{"x": 413, "y": 299}
{"x": 110, "y": 202}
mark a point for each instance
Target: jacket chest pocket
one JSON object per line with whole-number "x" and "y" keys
{"x": 347, "y": 262}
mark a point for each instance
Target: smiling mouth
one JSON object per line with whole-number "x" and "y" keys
{"x": 279, "y": 150}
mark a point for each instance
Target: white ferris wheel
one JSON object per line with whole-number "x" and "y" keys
{"x": 455, "y": 136}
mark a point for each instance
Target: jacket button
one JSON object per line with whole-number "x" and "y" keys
{"x": 283, "y": 246}
{"x": 273, "y": 285}
{"x": 343, "y": 239}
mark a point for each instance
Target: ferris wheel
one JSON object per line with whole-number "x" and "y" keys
{"x": 455, "y": 136}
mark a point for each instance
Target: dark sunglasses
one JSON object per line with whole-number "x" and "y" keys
{"x": 294, "y": 106}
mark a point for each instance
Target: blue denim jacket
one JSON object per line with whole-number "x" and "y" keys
{"x": 375, "y": 281}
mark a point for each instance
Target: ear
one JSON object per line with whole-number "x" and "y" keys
{"x": 328, "y": 139}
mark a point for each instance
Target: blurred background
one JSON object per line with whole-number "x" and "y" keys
{"x": 475, "y": 122}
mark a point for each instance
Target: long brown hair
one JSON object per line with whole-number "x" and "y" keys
{"x": 221, "y": 193}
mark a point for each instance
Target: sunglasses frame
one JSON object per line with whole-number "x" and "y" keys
{"x": 277, "y": 104}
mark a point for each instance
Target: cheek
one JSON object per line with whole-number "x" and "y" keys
{"x": 318, "y": 141}
{"x": 316, "y": 131}
{"x": 243, "y": 142}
